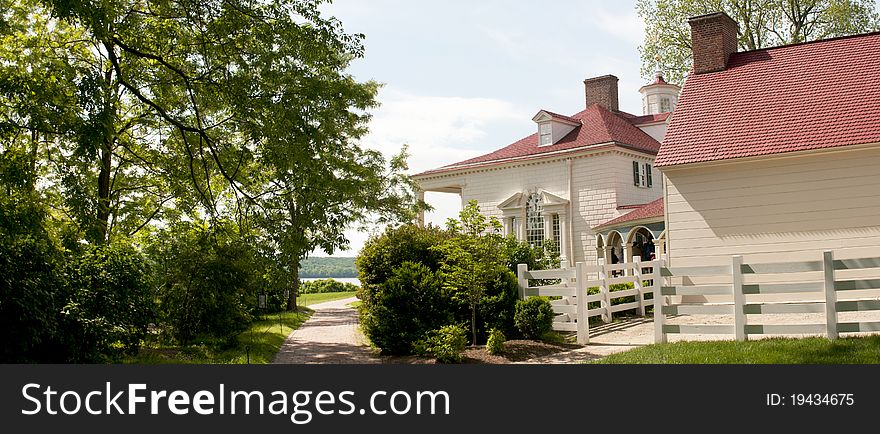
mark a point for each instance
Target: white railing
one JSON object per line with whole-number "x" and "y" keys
{"x": 573, "y": 283}
{"x": 825, "y": 291}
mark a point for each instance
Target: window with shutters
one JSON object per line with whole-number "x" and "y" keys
{"x": 535, "y": 220}
{"x": 642, "y": 175}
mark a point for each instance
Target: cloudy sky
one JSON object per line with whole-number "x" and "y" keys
{"x": 463, "y": 78}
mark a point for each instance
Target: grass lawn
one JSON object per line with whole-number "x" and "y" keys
{"x": 862, "y": 350}
{"x": 310, "y": 299}
{"x": 262, "y": 340}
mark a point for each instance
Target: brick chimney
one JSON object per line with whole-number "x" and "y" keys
{"x": 602, "y": 90}
{"x": 713, "y": 40}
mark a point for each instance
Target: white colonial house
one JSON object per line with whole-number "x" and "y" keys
{"x": 575, "y": 180}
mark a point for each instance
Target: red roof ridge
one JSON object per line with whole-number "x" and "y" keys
{"x": 597, "y": 126}
{"x": 651, "y": 209}
{"x": 563, "y": 117}
{"x": 816, "y": 41}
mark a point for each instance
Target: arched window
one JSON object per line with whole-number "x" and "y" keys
{"x": 535, "y": 220}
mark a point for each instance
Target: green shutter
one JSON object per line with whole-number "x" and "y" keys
{"x": 648, "y": 174}
{"x": 636, "y": 173}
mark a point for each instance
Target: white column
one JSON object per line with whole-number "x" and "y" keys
{"x": 548, "y": 226}
{"x": 627, "y": 257}
{"x": 507, "y": 226}
{"x": 563, "y": 237}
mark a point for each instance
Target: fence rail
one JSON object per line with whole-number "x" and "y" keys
{"x": 572, "y": 284}
{"x": 824, "y": 292}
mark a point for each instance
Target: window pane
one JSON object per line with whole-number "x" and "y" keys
{"x": 557, "y": 233}
{"x": 535, "y": 220}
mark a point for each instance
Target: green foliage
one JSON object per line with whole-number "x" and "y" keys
{"x": 446, "y": 343}
{"x": 326, "y": 285}
{"x": 471, "y": 262}
{"x": 30, "y": 285}
{"x": 534, "y": 317}
{"x": 762, "y": 24}
{"x": 207, "y": 281}
{"x": 383, "y": 254}
{"x": 472, "y": 258}
{"x": 328, "y": 267}
{"x": 495, "y": 343}
{"x": 110, "y": 303}
{"x": 405, "y": 307}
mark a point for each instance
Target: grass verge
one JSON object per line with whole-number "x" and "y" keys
{"x": 256, "y": 345}
{"x": 310, "y": 299}
{"x": 858, "y": 350}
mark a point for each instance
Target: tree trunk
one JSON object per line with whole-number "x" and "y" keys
{"x": 474, "y": 323}
{"x": 294, "y": 285}
{"x": 103, "y": 213}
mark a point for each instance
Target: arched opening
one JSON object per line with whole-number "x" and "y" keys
{"x": 613, "y": 248}
{"x": 641, "y": 244}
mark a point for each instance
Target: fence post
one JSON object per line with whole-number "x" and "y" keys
{"x": 521, "y": 279}
{"x": 604, "y": 301}
{"x": 739, "y": 299}
{"x": 659, "y": 316}
{"x": 583, "y": 323}
{"x": 830, "y": 296}
{"x": 637, "y": 275}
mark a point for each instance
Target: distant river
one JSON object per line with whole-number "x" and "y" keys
{"x": 352, "y": 280}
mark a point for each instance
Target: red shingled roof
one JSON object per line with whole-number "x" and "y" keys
{"x": 815, "y": 95}
{"x": 646, "y": 211}
{"x": 598, "y": 126}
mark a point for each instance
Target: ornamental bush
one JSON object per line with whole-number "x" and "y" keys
{"x": 495, "y": 343}
{"x": 446, "y": 343}
{"x": 404, "y": 308}
{"x": 534, "y": 317}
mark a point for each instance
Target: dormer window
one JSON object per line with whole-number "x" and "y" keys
{"x": 665, "y": 105}
{"x": 546, "y": 134}
{"x": 553, "y": 127}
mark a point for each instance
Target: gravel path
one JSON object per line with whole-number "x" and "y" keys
{"x": 330, "y": 336}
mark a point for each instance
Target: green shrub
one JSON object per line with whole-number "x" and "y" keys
{"x": 495, "y": 343}
{"x": 208, "y": 281}
{"x": 322, "y": 286}
{"x": 405, "y": 307}
{"x": 446, "y": 343}
{"x": 30, "y": 287}
{"x": 383, "y": 254}
{"x": 497, "y": 307}
{"x": 534, "y": 317}
{"x": 109, "y": 305}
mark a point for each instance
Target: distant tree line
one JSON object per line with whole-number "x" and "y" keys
{"x": 328, "y": 267}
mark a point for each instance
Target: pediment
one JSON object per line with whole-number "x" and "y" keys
{"x": 552, "y": 199}
{"x": 512, "y": 203}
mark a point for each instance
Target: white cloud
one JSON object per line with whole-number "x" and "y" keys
{"x": 439, "y": 130}
{"x": 626, "y": 26}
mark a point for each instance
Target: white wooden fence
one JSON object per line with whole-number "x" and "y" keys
{"x": 574, "y": 282}
{"x": 826, "y": 291}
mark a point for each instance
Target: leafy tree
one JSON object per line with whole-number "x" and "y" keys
{"x": 471, "y": 258}
{"x": 762, "y": 24}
